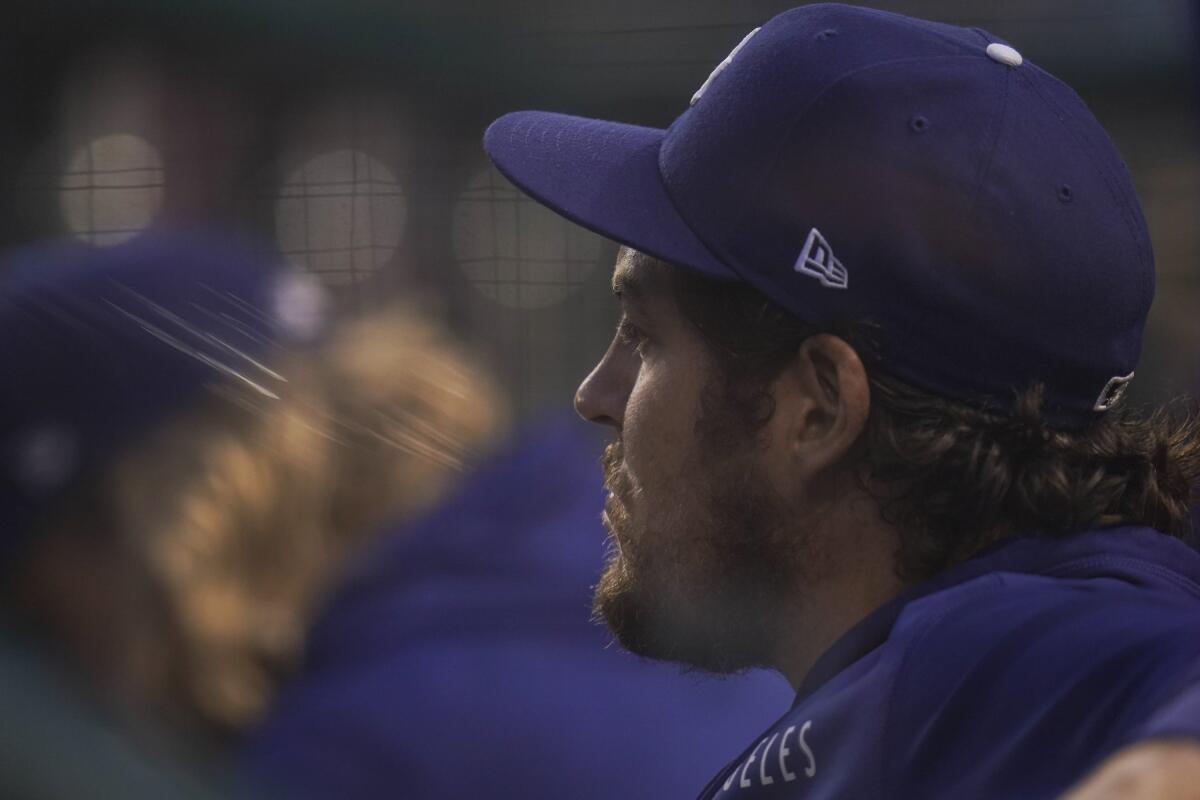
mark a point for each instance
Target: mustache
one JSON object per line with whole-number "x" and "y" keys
{"x": 618, "y": 484}
{"x": 616, "y": 515}
{"x": 614, "y": 456}
{"x": 616, "y": 479}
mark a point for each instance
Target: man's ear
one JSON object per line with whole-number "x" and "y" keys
{"x": 823, "y": 399}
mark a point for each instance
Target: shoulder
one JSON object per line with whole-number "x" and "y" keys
{"x": 1007, "y": 667}
{"x": 1007, "y": 635}
{"x": 1004, "y": 615}
{"x": 1042, "y": 609}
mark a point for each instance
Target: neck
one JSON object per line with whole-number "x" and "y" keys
{"x": 852, "y": 574}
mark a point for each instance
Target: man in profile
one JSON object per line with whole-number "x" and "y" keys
{"x": 883, "y": 291}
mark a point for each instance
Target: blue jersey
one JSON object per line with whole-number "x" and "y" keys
{"x": 1008, "y": 676}
{"x": 459, "y": 660}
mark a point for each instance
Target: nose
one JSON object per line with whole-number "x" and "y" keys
{"x": 602, "y": 396}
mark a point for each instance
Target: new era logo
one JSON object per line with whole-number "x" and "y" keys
{"x": 816, "y": 260}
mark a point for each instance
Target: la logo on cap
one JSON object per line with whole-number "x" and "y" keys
{"x": 817, "y": 261}
{"x": 721, "y": 67}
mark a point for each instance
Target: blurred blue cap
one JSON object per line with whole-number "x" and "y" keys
{"x": 859, "y": 165}
{"x": 98, "y": 346}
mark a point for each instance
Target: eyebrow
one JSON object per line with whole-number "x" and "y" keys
{"x": 636, "y": 278}
{"x": 628, "y": 284}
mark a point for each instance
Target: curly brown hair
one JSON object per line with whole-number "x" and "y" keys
{"x": 232, "y": 520}
{"x": 952, "y": 477}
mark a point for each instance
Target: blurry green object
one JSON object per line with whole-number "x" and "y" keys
{"x": 57, "y": 744}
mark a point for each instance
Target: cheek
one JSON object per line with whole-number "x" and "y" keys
{"x": 659, "y": 423}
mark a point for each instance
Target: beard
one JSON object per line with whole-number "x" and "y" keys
{"x": 705, "y": 584}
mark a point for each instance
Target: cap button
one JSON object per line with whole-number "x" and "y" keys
{"x": 1004, "y": 54}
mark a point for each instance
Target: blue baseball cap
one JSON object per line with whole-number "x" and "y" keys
{"x": 97, "y": 346}
{"x": 859, "y": 165}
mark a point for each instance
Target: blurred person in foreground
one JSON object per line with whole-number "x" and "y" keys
{"x": 173, "y": 410}
{"x": 100, "y": 348}
{"x": 884, "y": 287}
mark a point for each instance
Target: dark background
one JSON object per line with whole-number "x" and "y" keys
{"x": 349, "y": 134}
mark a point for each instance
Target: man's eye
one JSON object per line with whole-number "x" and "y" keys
{"x": 631, "y": 335}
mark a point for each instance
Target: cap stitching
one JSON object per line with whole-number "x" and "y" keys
{"x": 800, "y": 114}
{"x": 915, "y": 25}
{"x": 1111, "y": 181}
{"x": 998, "y": 125}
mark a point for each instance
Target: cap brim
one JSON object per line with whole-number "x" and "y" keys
{"x": 601, "y": 175}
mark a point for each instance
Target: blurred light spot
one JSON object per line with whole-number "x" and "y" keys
{"x": 112, "y": 188}
{"x": 301, "y": 306}
{"x": 46, "y": 459}
{"x": 514, "y": 250}
{"x": 341, "y": 216}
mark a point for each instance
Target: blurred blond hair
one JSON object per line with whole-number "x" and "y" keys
{"x": 239, "y": 515}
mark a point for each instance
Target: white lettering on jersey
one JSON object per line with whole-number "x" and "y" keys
{"x": 788, "y": 776}
{"x": 765, "y": 773}
{"x": 745, "y": 784}
{"x": 811, "y": 769}
{"x": 766, "y": 779}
